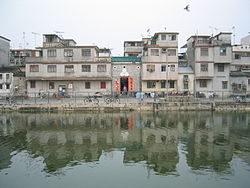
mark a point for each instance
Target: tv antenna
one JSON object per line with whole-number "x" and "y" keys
{"x": 233, "y": 28}
{"x": 35, "y": 34}
{"x": 59, "y": 33}
{"x": 213, "y": 29}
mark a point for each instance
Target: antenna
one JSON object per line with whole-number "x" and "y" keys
{"x": 23, "y": 40}
{"x": 233, "y": 28}
{"x": 35, "y": 36}
{"x": 213, "y": 28}
{"x": 59, "y": 33}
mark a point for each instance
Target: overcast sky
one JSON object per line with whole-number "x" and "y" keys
{"x": 108, "y": 23}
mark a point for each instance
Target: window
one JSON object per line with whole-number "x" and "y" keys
{"x": 171, "y": 83}
{"x": 223, "y": 51}
{"x": 224, "y": 84}
{"x": 7, "y": 86}
{"x": 185, "y": 77}
{"x": 34, "y": 68}
{"x": 1, "y": 86}
{"x": 185, "y": 85}
{"x": 248, "y": 81}
{"x": 204, "y": 67}
{"x": 51, "y": 85}
{"x": 172, "y": 52}
{"x": 52, "y": 53}
{"x": 172, "y": 68}
{"x": 87, "y": 85}
{"x": 32, "y": 84}
{"x": 68, "y": 53}
{"x": 103, "y": 85}
{"x": 1, "y": 76}
{"x": 86, "y": 52}
{"x": 69, "y": 68}
{"x": 163, "y": 37}
{"x": 101, "y": 68}
{"x": 86, "y": 68}
{"x": 7, "y": 76}
{"x": 203, "y": 83}
{"x": 150, "y": 68}
{"x": 163, "y": 68}
{"x": 151, "y": 84}
{"x": 172, "y": 37}
{"x": 163, "y": 84}
{"x": 204, "y": 51}
{"x": 51, "y": 68}
{"x": 236, "y": 56}
{"x": 154, "y": 52}
{"x": 221, "y": 67}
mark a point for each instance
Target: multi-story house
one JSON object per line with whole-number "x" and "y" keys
{"x": 126, "y": 74}
{"x": 4, "y": 51}
{"x": 240, "y": 67}
{"x": 210, "y": 57}
{"x": 18, "y": 56}
{"x": 160, "y": 63}
{"x": 12, "y": 81}
{"x": 65, "y": 67}
{"x": 133, "y": 48}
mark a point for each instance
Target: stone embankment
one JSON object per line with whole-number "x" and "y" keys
{"x": 145, "y": 106}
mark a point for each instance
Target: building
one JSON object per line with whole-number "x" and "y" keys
{"x": 210, "y": 57}
{"x": 133, "y": 48}
{"x": 12, "y": 81}
{"x": 240, "y": 69}
{"x": 185, "y": 80}
{"x": 18, "y": 56}
{"x": 4, "y": 51}
{"x": 160, "y": 63}
{"x": 126, "y": 74}
{"x": 67, "y": 68}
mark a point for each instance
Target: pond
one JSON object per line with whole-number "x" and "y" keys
{"x": 125, "y": 149}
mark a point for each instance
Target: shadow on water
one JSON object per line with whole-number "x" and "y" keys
{"x": 69, "y": 139}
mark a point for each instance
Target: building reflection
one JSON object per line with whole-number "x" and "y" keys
{"x": 210, "y": 139}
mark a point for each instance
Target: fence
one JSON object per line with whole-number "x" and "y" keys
{"x": 126, "y": 97}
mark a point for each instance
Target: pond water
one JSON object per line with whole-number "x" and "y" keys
{"x": 127, "y": 149}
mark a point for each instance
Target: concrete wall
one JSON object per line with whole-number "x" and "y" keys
{"x": 4, "y": 82}
{"x": 180, "y": 82}
{"x": 4, "y": 51}
{"x": 158, "y": 74}
{"x": 60, "y": 72}
{"x": 77, "y": 86}
{"x": 133, "y": 70}
{"x": 77, "y": 54}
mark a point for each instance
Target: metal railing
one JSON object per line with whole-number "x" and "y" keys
{"x": 121, "y": 97}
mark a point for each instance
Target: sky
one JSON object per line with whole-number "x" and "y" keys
{"x": 108, "y": 23}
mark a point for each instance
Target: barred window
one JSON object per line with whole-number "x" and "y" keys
{"x": 86, "y": 68}
{"x": 204, "y": 51}
{"x": 101, "y": 68}
{"x": 51, "y": 68}
{"x": 151, "y": 84}
{"x": 150, "y": 68}
{"x": 172, "y": 52}
{"x": 68, "y": 53}
{"x": 52, "y": 53}
{"x": 86, "y": 52}
{"x": 204, "y": 67}
{"x": 69, "y": 68}
{"x": 34, "y": 68}
{"x": 154, "y": 52}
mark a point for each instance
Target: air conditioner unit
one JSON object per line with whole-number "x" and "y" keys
{"x": 164, "y": 50}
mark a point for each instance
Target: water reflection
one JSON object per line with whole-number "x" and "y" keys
{"x": 210, "y": 140}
